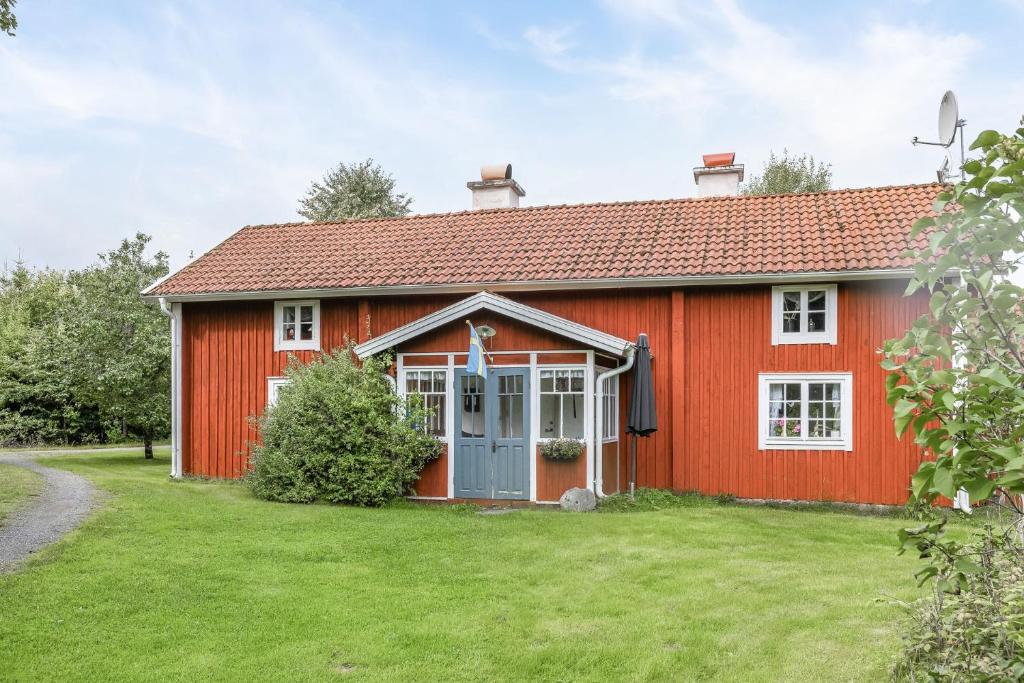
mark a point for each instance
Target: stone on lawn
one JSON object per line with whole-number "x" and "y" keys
{"x": 578, "y": 500}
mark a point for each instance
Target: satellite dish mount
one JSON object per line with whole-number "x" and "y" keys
{"x": 950, "y": 124}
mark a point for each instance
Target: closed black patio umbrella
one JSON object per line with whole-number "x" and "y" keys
{"x": 643, "y": 418}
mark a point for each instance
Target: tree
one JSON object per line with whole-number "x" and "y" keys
{"x": 37, "y": 397}
{"x": 790, "y": 175}
{"x": 8, "y": 22}
{"x": 362, "y": 190}
{"x": 958, "y": 373}
{"x": 122, "y": 353}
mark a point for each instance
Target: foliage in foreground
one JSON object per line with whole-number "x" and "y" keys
{"x": 976, "y": 631}
{"x": 361, "y": 190}
{"x": 957, "y": 381}
{"x": 789, "y": 175}
{"x": 339, "y": 433}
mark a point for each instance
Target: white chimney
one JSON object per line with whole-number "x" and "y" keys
{"x": 496, "y": 189}
{"x": 719, "y": 176}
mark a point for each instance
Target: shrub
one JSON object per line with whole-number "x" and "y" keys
{"x": 971, "y": 627}
{"x": 563, "y": 450}
{"x": 339, "y": 433}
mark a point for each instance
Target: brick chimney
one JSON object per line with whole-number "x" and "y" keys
{"x": 720, "y": 176}
{"x": 496, "y": 189}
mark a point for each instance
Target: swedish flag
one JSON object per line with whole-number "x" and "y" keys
{"x": 476, "y": 364}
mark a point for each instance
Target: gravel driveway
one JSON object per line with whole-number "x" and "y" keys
{"x": 66, "y": 500}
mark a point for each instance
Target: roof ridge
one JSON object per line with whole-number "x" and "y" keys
{"x": 583, "y": 205}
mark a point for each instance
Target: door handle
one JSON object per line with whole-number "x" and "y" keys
{"x": 494, "y": 446}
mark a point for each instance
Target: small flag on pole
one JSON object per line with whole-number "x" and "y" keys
{"x": 476, "y": 363}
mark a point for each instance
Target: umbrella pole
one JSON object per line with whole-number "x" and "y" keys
{"x": 632, "y": 470}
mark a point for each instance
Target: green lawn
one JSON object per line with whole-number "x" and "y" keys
{"x": 17, "y": 486}
{"x": 197, "y": 580}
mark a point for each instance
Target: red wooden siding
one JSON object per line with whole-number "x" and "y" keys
{"x": 433, "y": 481}
{"x": 728, "y": 342}
{"x": 555, "y": 478}
{"x": 227, "y": 355}
{"x": 610, "y": 466}
{"x": 709, "y": 345}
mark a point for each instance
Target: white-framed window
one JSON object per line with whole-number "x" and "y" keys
{"x": 805, "y": 411}
{"x": 297, "y": 325}
{"x": 610, "y": 409}
{"x": 432, "y": 385}
{"x": 804, "y": 314}
{"x": 274, "y": 385}
{"x": 562, "y": 403}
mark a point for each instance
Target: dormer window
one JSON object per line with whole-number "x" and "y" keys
{"x": 804, "y": 314}
{"x": 296, "y": 325}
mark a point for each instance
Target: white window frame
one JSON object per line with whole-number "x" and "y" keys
{"x": 804, "y": 443}
{"x": 826, "y": 336}
{"x": 610, "y": 417}
{"x": 274, "y": 385}
{"x": 403, "y": 378}
{"x": 537, "y": 393}
{"x": 282, "y": 344}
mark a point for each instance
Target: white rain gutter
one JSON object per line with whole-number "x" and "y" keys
{"x": 173, "y": 311}
{"x": 599, "y": 419}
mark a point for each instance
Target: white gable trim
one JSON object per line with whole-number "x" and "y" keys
{"x": 497, "y": 304}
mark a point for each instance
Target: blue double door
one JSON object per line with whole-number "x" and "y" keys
{"x": 492, "y": 434}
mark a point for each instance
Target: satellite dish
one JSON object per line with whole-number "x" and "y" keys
{"x": 949, "y": 115}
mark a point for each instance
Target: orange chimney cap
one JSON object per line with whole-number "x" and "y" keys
{"x": 721, "y": 159}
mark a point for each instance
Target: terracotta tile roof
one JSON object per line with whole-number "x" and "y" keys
{"x": 860, "y": 229}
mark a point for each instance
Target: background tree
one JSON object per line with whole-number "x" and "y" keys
{"x": 362, "y": 190}
{"x": 122, "y": 351}
{"x": 38, "y": 404}
{"x": 8, "y": 22}
{"x": 788, "y": 175}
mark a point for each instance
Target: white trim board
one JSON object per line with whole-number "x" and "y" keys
{"x": 539, "y": 285}
{"x": 501, "y": 305}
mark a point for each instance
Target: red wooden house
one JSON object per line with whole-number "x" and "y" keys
{"x": 764, "y": 315}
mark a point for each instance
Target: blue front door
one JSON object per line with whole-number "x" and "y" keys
{"x": 492, "y": 435}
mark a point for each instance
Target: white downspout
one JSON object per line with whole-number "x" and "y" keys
{"x": 599, "y": 419}
{"x": 173, "y": 312}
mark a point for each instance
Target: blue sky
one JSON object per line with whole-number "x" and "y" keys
{"x": 189, "y": 120}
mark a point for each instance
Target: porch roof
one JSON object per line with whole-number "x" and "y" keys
{"x": 498, "y": 304}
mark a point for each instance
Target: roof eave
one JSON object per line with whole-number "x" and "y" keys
{"x": 536, "y": 285}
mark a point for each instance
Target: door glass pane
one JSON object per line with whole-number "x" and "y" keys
{"x": 572, "y": 416}
{"x": 471, "y": 400}
{"x": 510, "y": 407}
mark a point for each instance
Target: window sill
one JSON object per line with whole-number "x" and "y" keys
{"x": 297, "y": 346}
{"x": 791, "y": 338}
{"x": 823, "y": 445}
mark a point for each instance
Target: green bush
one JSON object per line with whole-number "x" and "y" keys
{"x": 340, "y": 434}
{"x": 562, "y": 450}
{"x": 971, "y": 627}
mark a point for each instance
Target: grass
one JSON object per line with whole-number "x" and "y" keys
{"x": 198, "y": 580}
{"x": 43, "y": 448}
{"x": 17, "y": 486}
